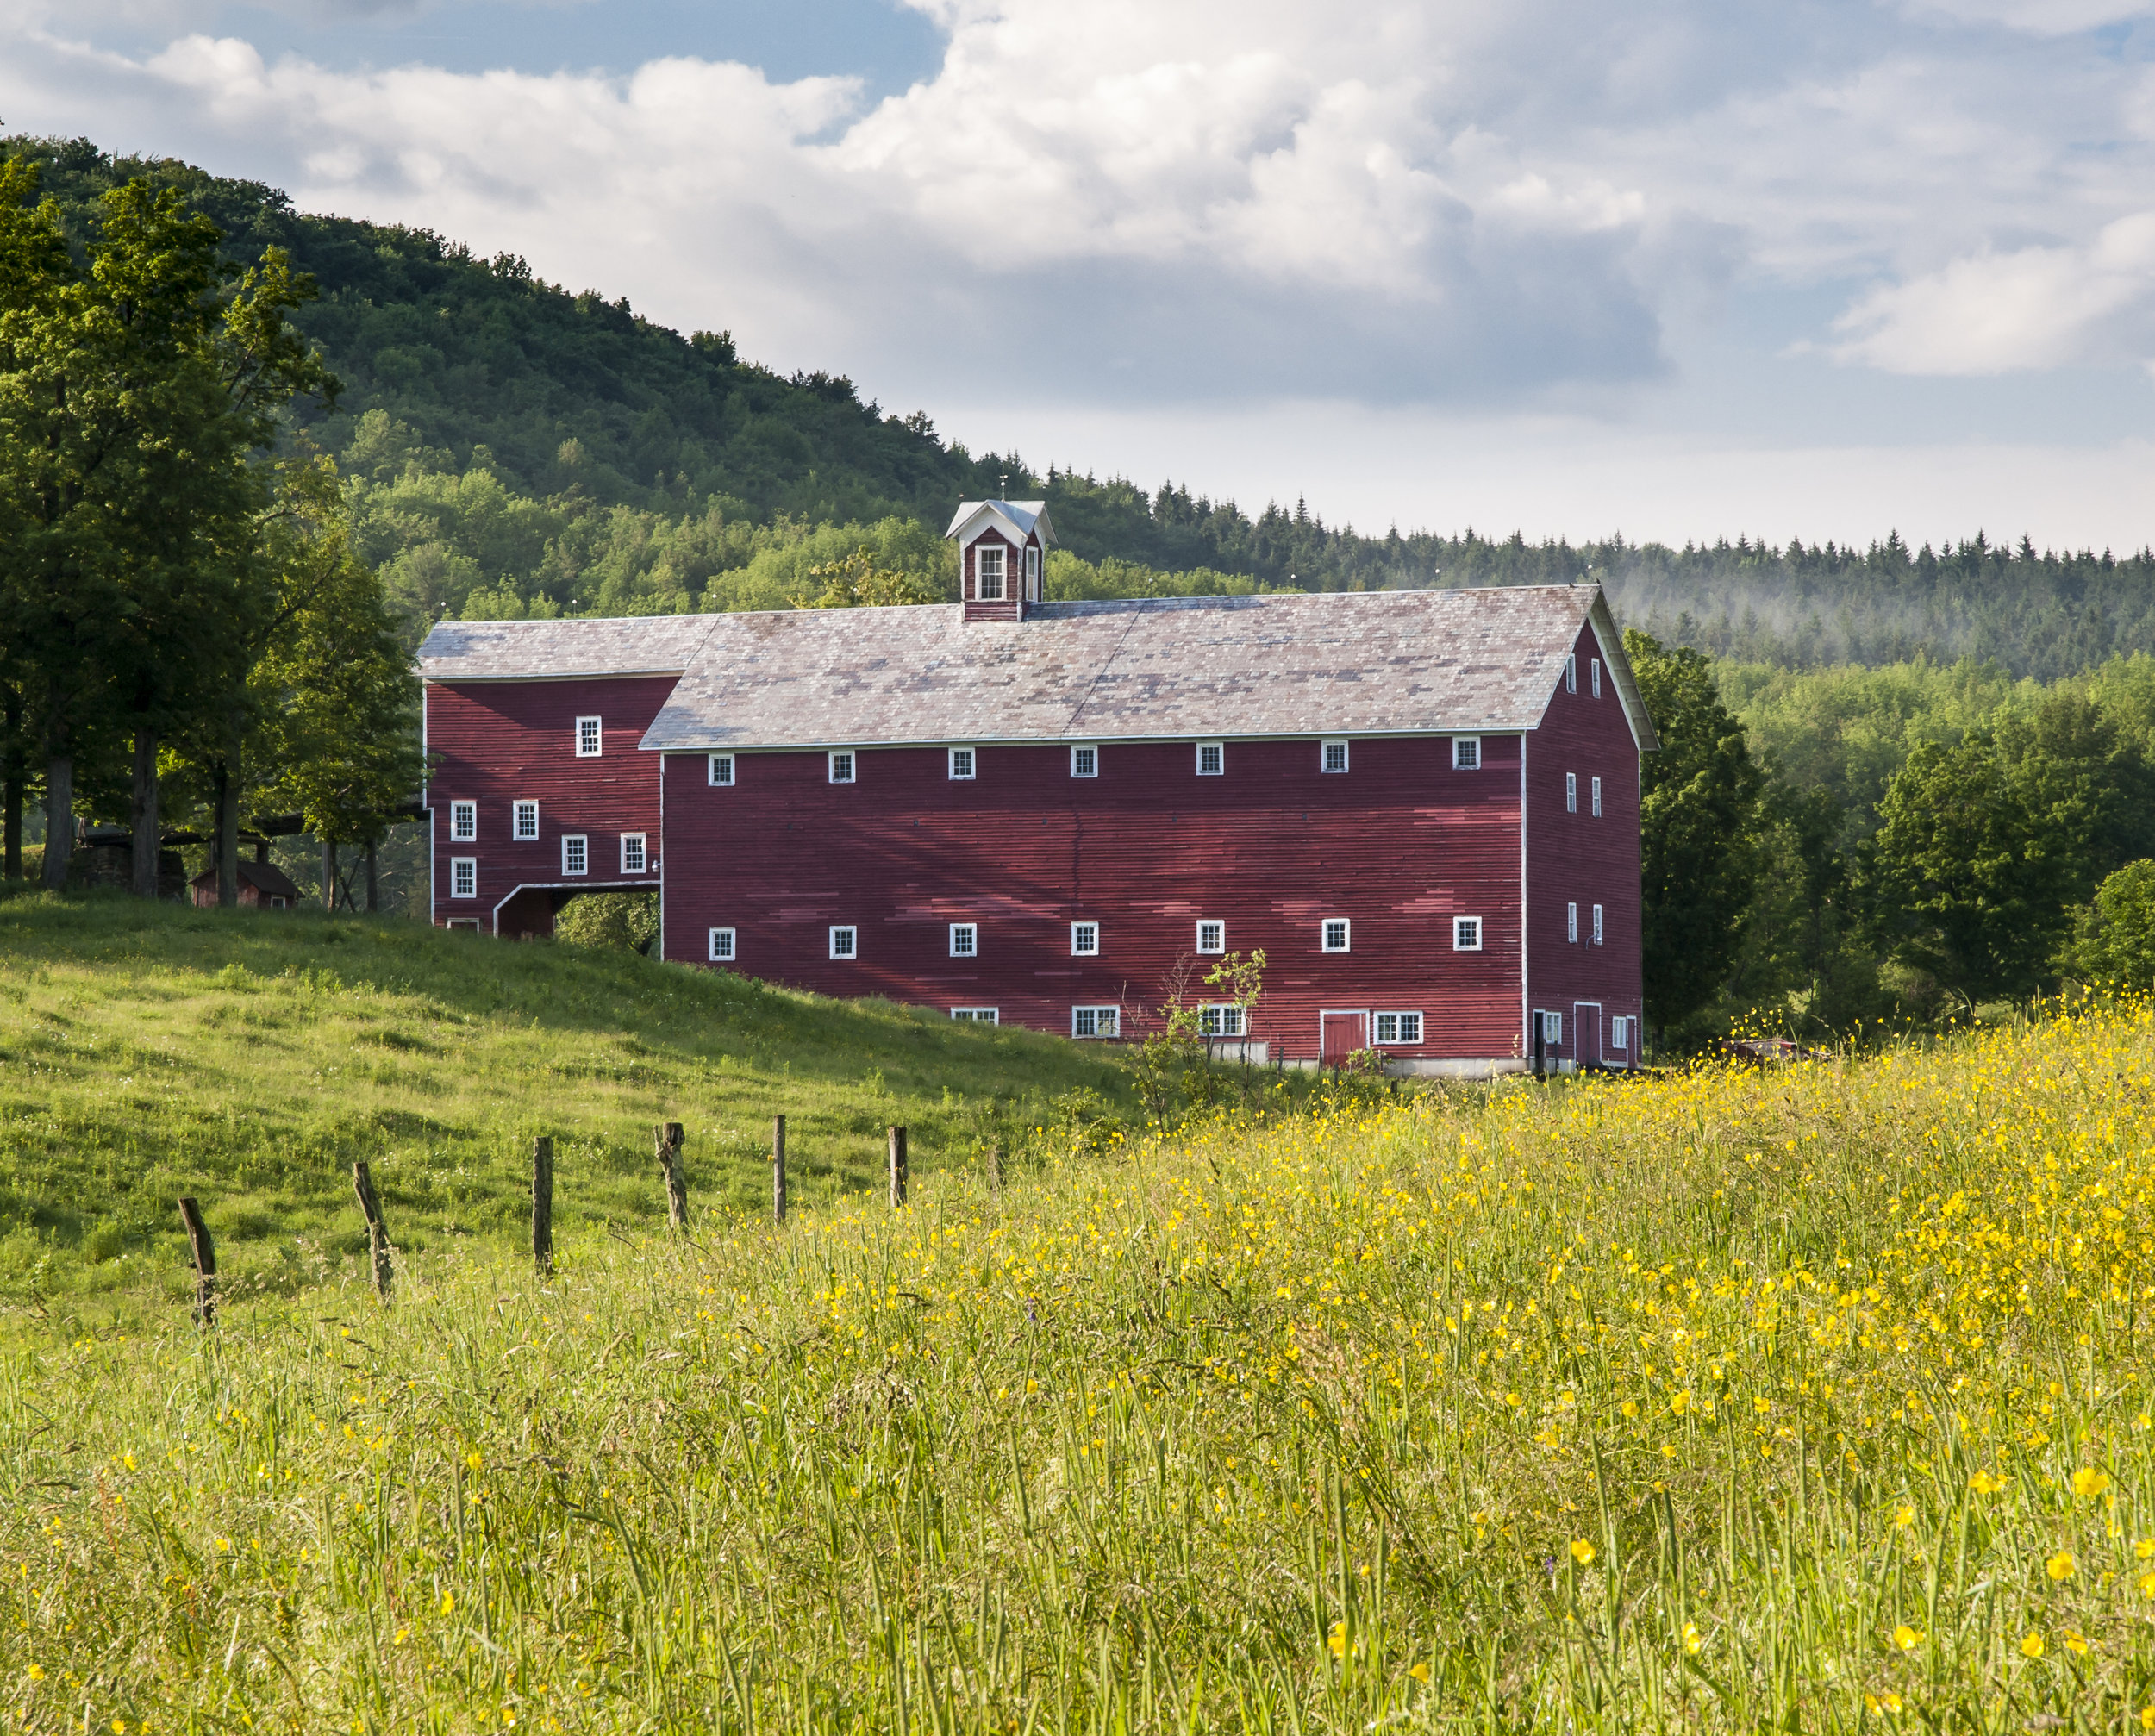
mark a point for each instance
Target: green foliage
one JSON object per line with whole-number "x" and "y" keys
{"x": 857, "y": 582}
{"x": 620, "y": 921}
{"x": 2114, "y": 938}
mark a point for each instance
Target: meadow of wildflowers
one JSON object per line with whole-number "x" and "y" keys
{"x": 1815, "y": 1398}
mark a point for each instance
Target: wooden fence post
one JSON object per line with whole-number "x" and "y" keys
{"x": 205, "y": 1256}
{"x": 777, "y": 1169}
{"x": 376, "y": 1230}
{"x": 897, "y": 1167}
{"x": 669, "y": 1138}
{"x": 995, "y": 1167}
{"x": 542, "y": 1206}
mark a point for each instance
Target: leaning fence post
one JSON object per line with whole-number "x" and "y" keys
{"x": 542, "y": 1206}
{"x": 777, "y": 1169}
{"x": 897, "y": 1167}
{"x": 205, "y": 1256}
{"x": 669, "y": 1137}
{"x": 376, "y": 1230}
{"x": 995, "y": 1167}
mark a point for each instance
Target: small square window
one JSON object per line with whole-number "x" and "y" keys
{"x": 1570, "y": 792}
{"x": 1594, "y": 673}
{"x": 587, "y": 737}
{"x": 1597, "y": 925}
{"x": 1212, "y": 759}
{"x": 964, "y": 939}
{"x": 464, "y": 876}
{"x": 845, "y": 942}
{"x": 1336, "y": 932}
{"x": 1620, "y": 1032}
{"x": 1466, "y": 933}
{"x": 719, "y": 772}
{"x": 632, "y": 853}
{"x": 1095, "y": 1021}
{"x": 463, "y": 924}
{"x": 842, "y": 767}
{"x": 526, "y": 821}
{"x": 1571, "y": 673}
{"x": 1466, "y": 753}
{"x": 1085, "y": 762}
{"x": 1085, "y": 940}
{"x": 1212, "y": 937}
{"x": 1597, "y": 798}
{"x": 1334, "y": 756}
{"x": 721, "y": 946}
{"x": 463, "y": 821}
{"x": 1398, "y": 1028}
{"x": 977, "y": 1015}
{"x": 961, "y": 763}
{"x": 576, "y": 854}
{"x": 1220, "y": 1021}
{"x": 987, "y": 567}
{"x": 1552, "y": 1028}
{"x": 1570, "y": 921}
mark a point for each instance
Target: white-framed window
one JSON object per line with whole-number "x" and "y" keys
{"x": 1597, "y": 795}
{"x": 463, "y": 821}
{"x": 1221, "y": 1021}
{"x": 277, "y": 902}
{"x": 1095, "y": 1021}
{"x": 1570, "y": 921}
{"x": 1212, "y": 759}
{"x": 1466, "y": 753}
{"x": 719, "y": 772}
{"x": 588, "y": 734}
{"x": 1212, "y": 937}
{"x": 1332, "y": 756}
{"x": 844, "y": 941}
{"x": 576, "y": 854}
{"x": 1337, "y": 932}
{"x": 1570, "y": 792}
{"x": 1033, "y": 573}
{"x": 463, "y": 924}
{"x": 1466, "y": 933}
{"x": 1552, "y": 1028}
{"x": 841, "y": 762}
{"x": 1401, "y": 1028}
{"x": 721, "y": 946}
{"x": 526, "y": 827}
{"x": 1085, "y": 940}
{"x": 1571, "y": 673}
{"x": 1596, "y": 930}
{"x": 977, "y": 1015}
{"x": 964, "y": 939}
{"x": 464, "y": 876}
{"x": 1620, "y": 1032}
{"x": 961, "y": 763}
{"x": 1085, "y": 762}
{"x": 632, "y": 852}
{"x": 987, "y": 572}
{"x": 1594, "y": 676}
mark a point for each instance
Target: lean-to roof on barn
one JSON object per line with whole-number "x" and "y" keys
{"x": 562, "y": 650}
{"x": 1396, "y": 662}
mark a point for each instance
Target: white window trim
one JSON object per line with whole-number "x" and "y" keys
{"x": 972, "y": 931}
{"x": 851, "y": 928}
{"x": 1596, "y": 797}
{"x": 1572, "y": 923}
{"x": 1571, "y": 671}
{"x": 464, "y": 815}
{"x": 851, "y": 758}
{"x": 517, "y": 822}
{"x": 1219, "y": 748}
{"x": 577, "y": 838}
{"x": 1597, "y": 925}
{"x": 711, "y": 774}
{"x": 597, "y": 748}
{"x": 1595, "y": 669}
{"x": 1091, "y": 952}
{"x": 1111, "y": 1016}
{"x": 1219, "y": 937}
{"x": 725, "y": 946}
{"x": 1459, "y": 945}
{"x": 462, "y": 864}
{"x": 642, "y": 840}
{"x": 1472, "y": 747}
{"x": 1346, "y": 926}
{"x": 469, "y": 925}
{"x": 1003, "y": 572}
{"x": 1221, "y": 1015}
{"x": 978, "y": 1015}
{"x": 1620, "y": 1032}
{"x": 1379, "y": 1040}
{"x": 1553, "y": 1030}
{"x": 1324, "y": 755}
{"x": 1570, "y": 792}
{"x": 1085, "y": 747}
{"x": 972, "y": 760}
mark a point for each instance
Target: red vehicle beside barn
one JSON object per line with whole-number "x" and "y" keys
{"x": 1422, "y": 806}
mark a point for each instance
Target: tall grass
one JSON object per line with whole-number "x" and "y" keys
{"x": 1815, "y": 1399}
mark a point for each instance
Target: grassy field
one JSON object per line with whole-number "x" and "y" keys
{"x": 1817, "y": 1399}
{"x": 149, "y": 1051}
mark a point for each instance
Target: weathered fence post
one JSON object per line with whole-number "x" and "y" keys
{"x": 669, "y": 1138}
{"x": 995, "y": 1167}
{"x": 777, "y": 1169}
{"x": 376, "y": 1230}
{"x": 542, "y": 1206}
{"x": 897, "y": 1167}
{"x": 205, "y": 1256}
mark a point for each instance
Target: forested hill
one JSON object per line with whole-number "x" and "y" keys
{"x": 518, "y": 447}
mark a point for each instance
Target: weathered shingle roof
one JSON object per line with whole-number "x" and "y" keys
{"x": 1356, "y": 662}
{"x": 551, "y": 650}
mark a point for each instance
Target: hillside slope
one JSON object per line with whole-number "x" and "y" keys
{"x": 148, "y": 1051}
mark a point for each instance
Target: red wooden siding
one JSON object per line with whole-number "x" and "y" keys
{"x": 498, "y": 743}
{"x": 1398, "y": 845}
{"x": 1577, "y": 858}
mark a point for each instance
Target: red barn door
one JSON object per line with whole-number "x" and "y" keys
{"x": 1586, "y": 1031}
{"x": 1343, "y": 1035}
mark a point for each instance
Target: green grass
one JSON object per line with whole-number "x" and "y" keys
{"x": 247, "y": 1058}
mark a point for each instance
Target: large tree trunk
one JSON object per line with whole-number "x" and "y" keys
{"x": 145, "y": 814}
{"x": 59, "y": 818}
{"x": 373, "y": 879}
{"x": 228, "y": 838}
{"x": 329, "y": 874}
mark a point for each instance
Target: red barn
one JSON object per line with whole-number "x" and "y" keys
{"x": 1422, "y": 806}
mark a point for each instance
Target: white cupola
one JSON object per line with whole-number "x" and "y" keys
{"x": 1002, "y": 554}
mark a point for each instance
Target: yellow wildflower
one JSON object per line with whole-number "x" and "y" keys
{"x": 2031, "y": 1643}
{"x": 2088, "y": 1482}
{"x": 1906, "y": 1637}
{"x": 1582, "y": 1552}
{"x": 1421, "y": 1673}
{"x": 2060, "y": 1565}
{"x": 1985, "y": 1483}
{"x": 1335, "y": 1641}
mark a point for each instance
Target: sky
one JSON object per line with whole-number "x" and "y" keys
{"x": 1682, "y": 269}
